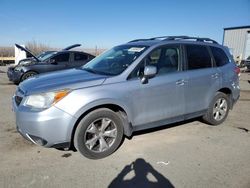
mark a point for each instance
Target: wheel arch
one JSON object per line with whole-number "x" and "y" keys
{"x": 127, "y": 127}
{"x": 228, "y": 92}
{"x": 29, "y": 70}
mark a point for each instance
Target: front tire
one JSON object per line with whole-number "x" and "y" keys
{"x": 218, "y": 109}
{"x": 27, "y": 75}
{"x": 99, "y": 134}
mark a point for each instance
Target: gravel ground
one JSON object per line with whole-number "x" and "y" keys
{"x": 186, "y": 154}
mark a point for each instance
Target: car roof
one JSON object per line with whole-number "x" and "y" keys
{"x": 173, "y": 40}
{"x": 73, "y": 51}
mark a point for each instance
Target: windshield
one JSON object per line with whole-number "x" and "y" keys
{"x": 115, "y": 61}
{"x": 45, "y": 55}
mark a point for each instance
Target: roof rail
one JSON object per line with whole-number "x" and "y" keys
{"x": 194, "y": 38}
{"x": 177, "y": 38}
{"x": 136, "y": 40}
{"x": 161, "y": 37}
{"x": 154, "y": 38}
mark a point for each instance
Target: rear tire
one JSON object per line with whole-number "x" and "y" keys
{"x": 218, "y": 109}
{"x": 99, "y": 134}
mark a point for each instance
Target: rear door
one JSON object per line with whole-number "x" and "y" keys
{"x": 203, "y": 78}
{"x": 79, "y": 59}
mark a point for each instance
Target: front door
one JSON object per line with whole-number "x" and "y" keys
{"x": 58, "y": 62}
{"x": 162, "y": 97}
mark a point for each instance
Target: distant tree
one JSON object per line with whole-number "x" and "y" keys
{"x": 37, "y": 48}
{"x": 7, "y": 51}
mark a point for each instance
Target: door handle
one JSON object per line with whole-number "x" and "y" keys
{"x": 216, "y": 75}
{"x": 181, "y": 82}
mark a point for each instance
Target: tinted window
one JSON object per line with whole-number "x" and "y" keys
{"x": 219, "y": 56}
{"x": 198, "y": 57}
{"x": 61, "y": 57}
{"x": 80, "y": 57}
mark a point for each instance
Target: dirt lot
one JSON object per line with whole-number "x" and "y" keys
{"x": 187, "y": 154}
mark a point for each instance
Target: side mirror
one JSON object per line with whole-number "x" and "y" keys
{"x": 53, "y": 62}
{"x": 149, "y": 72}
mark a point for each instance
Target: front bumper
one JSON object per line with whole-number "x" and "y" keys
{"x": 49, "y": 128}
{"x": 14, "y": 76}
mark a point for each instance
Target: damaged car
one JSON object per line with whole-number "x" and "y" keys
{"x": 47, "y": 62}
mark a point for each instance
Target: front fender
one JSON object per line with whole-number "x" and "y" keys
{"x": 103, "y": 102}
{"x": 80, "y": 101}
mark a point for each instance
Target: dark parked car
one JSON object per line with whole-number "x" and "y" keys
{"x": 41, "y": 56}
{"x": 48, "y": 62}
{"x": 31, "y": 58}
{"x": 247, "y": 63}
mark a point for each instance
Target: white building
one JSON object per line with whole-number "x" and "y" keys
{"x": 237, "y": 39}
{"x": 19, "y": 54}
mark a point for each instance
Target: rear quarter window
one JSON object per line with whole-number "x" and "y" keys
{"x": 219, "y": 56}
{"x": 80, "y": 57}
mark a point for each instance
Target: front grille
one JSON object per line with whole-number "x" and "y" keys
{"x": 18, "y": 100}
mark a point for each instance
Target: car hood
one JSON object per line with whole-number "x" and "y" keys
{"x": 27, "y": 61}
{"x": 24, "y": 63}
{"x": 27, "y": 51}
{"x": 66, "y": 79}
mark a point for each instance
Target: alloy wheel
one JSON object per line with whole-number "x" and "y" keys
{"x": 100, "y": 135}
{"x": 220, "y": 109}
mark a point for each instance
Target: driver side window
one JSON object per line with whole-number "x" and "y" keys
{"x": 61, "y": 58}
{"x": 166, "y": 59}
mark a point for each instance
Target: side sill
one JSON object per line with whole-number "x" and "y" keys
{"x": 168, "y": 121}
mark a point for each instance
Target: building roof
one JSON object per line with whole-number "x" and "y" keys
{"x": 239, "y": 27}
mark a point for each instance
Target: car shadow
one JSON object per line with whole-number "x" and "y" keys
{"x": 9, "y": 83}
{"x": 168, "y": 126}
{"x": 141, "y": 169}
{"x": 145, "y": 131}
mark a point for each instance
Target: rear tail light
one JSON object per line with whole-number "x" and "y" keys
{"x": 237, "y": 70}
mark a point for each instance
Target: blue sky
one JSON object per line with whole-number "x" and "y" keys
{"x": 107, "y": 23}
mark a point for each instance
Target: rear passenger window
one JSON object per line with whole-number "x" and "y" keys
{"x": 80, "y": 57}
{"x": 198, "y": 57}
{"x": 61, "y": 58}
{"x": 219, "y": 56}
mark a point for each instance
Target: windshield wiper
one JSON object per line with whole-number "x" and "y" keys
{"x": 90, "y": 70}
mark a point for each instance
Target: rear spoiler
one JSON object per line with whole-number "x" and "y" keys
{"x": 72, "y": 46}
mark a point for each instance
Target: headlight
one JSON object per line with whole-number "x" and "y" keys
{"x": 18, "y": 68}
{"x": 44, "y": 100}
{"x": 24, "y": 62}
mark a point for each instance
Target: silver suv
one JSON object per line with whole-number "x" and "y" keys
{"x": 142, "y": 84}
